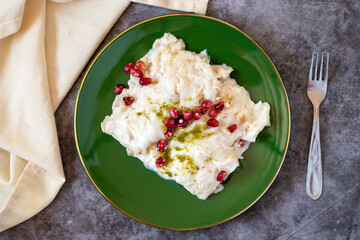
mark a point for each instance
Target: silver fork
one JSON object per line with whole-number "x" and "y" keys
{"x": 316, "y": 90}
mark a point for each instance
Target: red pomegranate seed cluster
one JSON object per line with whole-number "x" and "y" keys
{"x": 178, "y": 120}
{"x": 175, "y": 121}
{"x": 213, "y": 111}
{"x": 181, "y": 120}
{"x": 135, "y": 70}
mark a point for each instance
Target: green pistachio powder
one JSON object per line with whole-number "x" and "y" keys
{"x": 189, "y": 136}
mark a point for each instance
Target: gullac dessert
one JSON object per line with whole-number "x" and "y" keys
{"x": 184, "y": 118}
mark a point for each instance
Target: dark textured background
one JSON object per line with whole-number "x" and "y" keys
{"x": 288, "y": 31}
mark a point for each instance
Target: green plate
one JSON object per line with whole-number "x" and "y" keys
{"x": 141, "y": 193}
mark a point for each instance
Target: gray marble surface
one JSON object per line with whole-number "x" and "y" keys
{"x": 288, "y": 31}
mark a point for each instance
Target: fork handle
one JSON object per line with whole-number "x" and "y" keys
{"x": 314, "y": 169}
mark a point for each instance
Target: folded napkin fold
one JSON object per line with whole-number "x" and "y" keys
{"x": 44, "y": 46}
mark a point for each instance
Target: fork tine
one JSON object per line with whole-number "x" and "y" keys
{"x": 321, "y": 67}
{"x": 316, "y": 66}
{"x": 327, "y": 66}
{"x": 311, "y": 66}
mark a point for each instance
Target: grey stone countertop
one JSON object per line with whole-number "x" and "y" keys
{"x": 289, "y": 31}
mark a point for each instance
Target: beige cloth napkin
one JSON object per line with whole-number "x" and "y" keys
{"x": 44, "y": 46}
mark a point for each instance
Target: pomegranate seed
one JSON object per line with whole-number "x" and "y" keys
{"x": 200, "y": 109}
{"x": 242, "y": 142}
{"x": 221, "y": 176}
{"x": 119, "y": 88}
{"x": 206, "y": 104}
{"x": 232, "y": 128}
{"x": 161, "y": 145}
{"x": 213, "y": 112}
{"x": 145, "y": 81}
{"x": 220, "y": 106}
{"x": 140, "y": 65}
{"x": 168, "y": 133}
{"x": 213, "y": 122}
{"x": 170, "y": 123}
{"x": 160, "y": 161}
{"x": 128, "y": 67}
{"x": 182, "y": 123}
{"x": 187, "y": 115}
{"x": 136, "y": 72}
{"x": 196, "y": 115}
{"x": 174, "y": 113}
{"x": 128, "y": 100}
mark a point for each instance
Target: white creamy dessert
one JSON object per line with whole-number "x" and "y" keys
{"x": 197, "y": 153}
